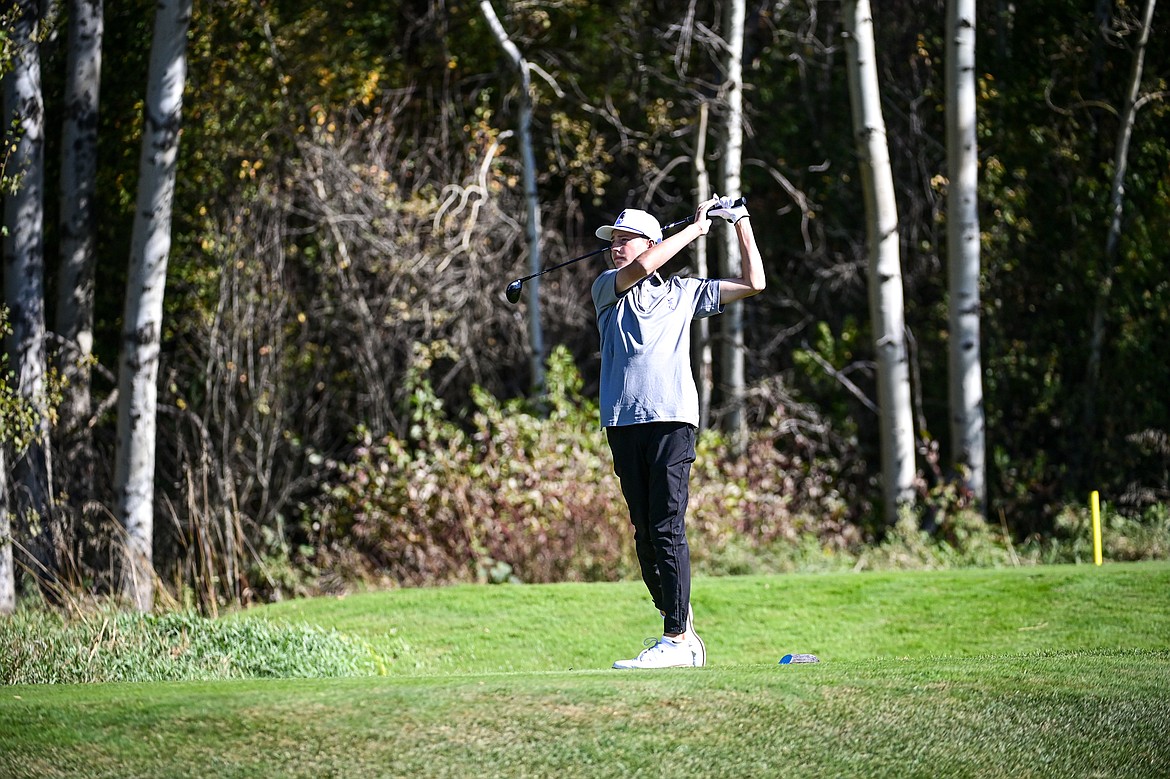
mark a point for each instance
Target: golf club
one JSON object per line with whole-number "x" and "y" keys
{"x": 513, "y": 290}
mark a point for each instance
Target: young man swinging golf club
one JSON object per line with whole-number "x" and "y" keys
{"x": 649, "y": 402}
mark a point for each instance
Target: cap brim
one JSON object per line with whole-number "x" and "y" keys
{"x": 606, "y": 233}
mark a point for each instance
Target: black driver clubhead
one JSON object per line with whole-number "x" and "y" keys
{"x": 513, "y": 291}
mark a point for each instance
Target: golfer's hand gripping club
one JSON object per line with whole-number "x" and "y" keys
{"x": 730, "y": 210}
{"x": 740, "y": 203}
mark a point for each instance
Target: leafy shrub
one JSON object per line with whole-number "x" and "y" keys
{"x": 525, "y": 491}
{"x": 522, "y": 492}
{"x": 1123, "y": 537}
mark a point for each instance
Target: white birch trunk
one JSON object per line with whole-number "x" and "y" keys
{"x": 885, "y": 273}
{"x": 963, "y": 306}
{"x": 535, "y": 330}
{"x": 7, "y": 570}
{"x": 701, "y": 335}
{"x": 24, "y": 285}
{"x": 74, "y": 317}
{"x": 731, "y": 322}
{"x": 146, "y": 282}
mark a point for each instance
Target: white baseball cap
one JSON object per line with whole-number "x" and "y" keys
{"x": 635, "y": 221}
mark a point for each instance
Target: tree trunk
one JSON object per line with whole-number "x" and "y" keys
{"x": 24, "y": 288}
{"x": 75, "y": 292}
{"x": 885, "y": 274}
{"x": 7, "y": 571}
{"x": 1126, "y": 119}
{"x": 731, "y": 322}
{"x": 963, "y": 307}
{"x": 145, "y": 285}
{"x": 535, "y": 331}
{"x": 701, "y": 335}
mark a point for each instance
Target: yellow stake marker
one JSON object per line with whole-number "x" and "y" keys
{"x": 1095, "y": 503}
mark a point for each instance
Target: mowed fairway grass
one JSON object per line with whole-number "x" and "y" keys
{"x": 1026, "y": 672}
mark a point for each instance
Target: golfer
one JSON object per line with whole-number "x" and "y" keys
{"x": 649, "y": 403}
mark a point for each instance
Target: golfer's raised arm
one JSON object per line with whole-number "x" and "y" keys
{"x": 657, "y": 255}
{"x": 751, "y": 280}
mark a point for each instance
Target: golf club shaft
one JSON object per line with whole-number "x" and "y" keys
{"x": 562, "y": 264}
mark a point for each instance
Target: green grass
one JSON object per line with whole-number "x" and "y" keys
{"x": 757, "y": 619}
{"x": 1034, "y": 672}
{"x": 41, "y": 647}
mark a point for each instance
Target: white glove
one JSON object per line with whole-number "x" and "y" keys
{"x": 726, "y": 210}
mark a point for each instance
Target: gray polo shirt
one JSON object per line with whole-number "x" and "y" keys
{"x": 646, "y": 347}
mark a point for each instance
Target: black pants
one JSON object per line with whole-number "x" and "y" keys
{"x": 653, "y": 463}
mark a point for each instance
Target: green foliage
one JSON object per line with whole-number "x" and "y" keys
{"x": 348, "y": 187}
{"x": 1123, "y": 537}
{"x": 964, "y": 539}
{"x": 40, "y": 646}
{"x": 8, "y": 183}
{"x": 524, "y": 491}
{"x": 20, "y": 416}
{"x": 520, "y": 491}
{"x": 830, "y": 352}
{"x": 1046, "y": 115}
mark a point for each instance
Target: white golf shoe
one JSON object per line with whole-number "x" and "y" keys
{"x": 698, "y": 648}
{"x": 661, "y": 653}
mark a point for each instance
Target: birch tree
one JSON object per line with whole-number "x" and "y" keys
{"x": 886, "y": 303}
{"x": 535, "y": 331}
{"x": 701, "y": 328}
{"x": 146, "y": 282}
{"x": 965, "y": 362}
{"x": 7, "y": 569}
{"x": 1131, "y": 103}
{"x": 19, "y": 424}
{"x": 75, "y": 291}
{"x": 731, "y": 322}
{"x": 24, "y": 283}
